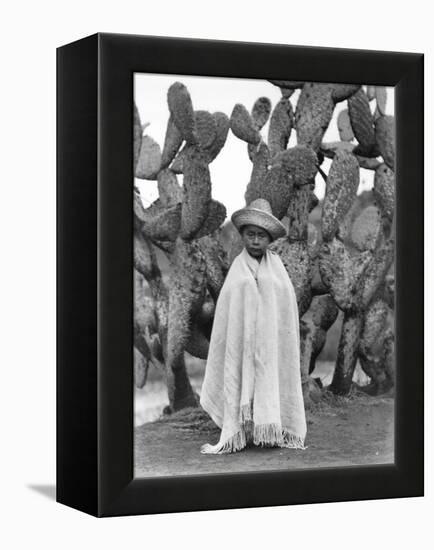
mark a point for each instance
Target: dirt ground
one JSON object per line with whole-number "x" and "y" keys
{"x": 358, "y": 430}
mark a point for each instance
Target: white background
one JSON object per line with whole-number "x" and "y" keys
{"x": 30, "y": 33}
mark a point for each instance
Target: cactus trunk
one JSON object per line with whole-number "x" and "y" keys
{"x": 347, "y": 353}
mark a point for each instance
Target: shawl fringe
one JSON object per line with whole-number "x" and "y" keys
{"x": 264, "y": 435}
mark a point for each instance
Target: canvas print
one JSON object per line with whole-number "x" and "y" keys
{"x": 264, "y": 250}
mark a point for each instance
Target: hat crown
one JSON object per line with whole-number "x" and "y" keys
{"x": 260, "y": 204}
{"x": 259, "y": 213}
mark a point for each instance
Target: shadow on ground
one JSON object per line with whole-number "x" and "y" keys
{"x": 48, "y": 491}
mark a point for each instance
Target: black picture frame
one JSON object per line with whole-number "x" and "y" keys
{"x": 95, "y": 274}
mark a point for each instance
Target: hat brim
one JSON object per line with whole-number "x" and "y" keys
{"x": 254, "y": 216}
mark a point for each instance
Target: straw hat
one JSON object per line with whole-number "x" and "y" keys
{"x": 259, "y": 213}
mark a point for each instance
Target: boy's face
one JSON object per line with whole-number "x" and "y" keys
{"x": 255, "y": 240}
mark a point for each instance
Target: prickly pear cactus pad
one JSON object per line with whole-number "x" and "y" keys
{"x": 221, "y": 132}
{"x": 186, "y": 295}
{"x": 260, "y": 156}
{"x": 376, "y": 271}
{"x": 300, "y": 162}
{"x": 197, "y": 193}
{"x": 344, "y": 126}
{"x": 243, "y": 125}
{"x": 362, "y": 123}
{"x": 215, "y": 218}
{"x": 172, "y": 143}
{"x": 384, "y": 190}
{"x": 143, "y": 255}
{"x": 169, "y": 190}
{"x": 336, "y": 271}
{"x": 298, "y": 213}
{"x": 281, "y": 123}
{"x": 288, "y": 84}
{"x": 261, "y": 112}
{"x": 137, "y": 136}
{"x": 385, "y": 136}
{"x": 324, "y": 311}
{"x": 276, "y": 189}
{"x": 295, "y": 257}
{"x": 340, "y": 92}
{"x": 149, "y": 161}
{"x": 206, "y": 129}
{"x": 367, "y": 229}
{"x": 181, "y": 110}
{"x": 313, "y": 113}
{"x": 341, "y": 190}
{"x": 375, "y": 322}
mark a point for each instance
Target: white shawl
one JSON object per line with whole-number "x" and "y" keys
{"x": 252, "y": 385}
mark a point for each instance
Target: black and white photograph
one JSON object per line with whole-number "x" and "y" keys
{"x": 216, "y": 224}
{"x": 264, "y": 251}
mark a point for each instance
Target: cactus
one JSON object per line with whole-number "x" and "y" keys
{"x": 300, "y": 162}
{"x": 376, "y": 348}
{"x": 340, "y": 92}
{"x": 261, "y": 112}
{"x": 343, "y": 267}
{"x": 172, "y": 143}
{"x": 337, "y": 273}
{"x": 384, "y": 190}
{"x": 137, "y": 143}
{"x": 347, "y": 352}
{"x": 342, "y": 184}
{"x": 381, "y": 99}
{"x": 243, "y": 125}
{"x": 206, "y": 129}
{"x": 276, "y": 189}
{"x": 281, "y": 123}
{"x": 169, "y": 190}
{"x": 141, "y": 366}
{"x": 366, "y": 229}
{"x": 186, "y": 294}
{"x": 260, "y": 157}
{"x": 354, "y": 282}
{"x": 362, "y": 123}
{"x": 149, "y": 161}
{"x": 181, "y": 111}
{"x": 385, "y": 137}
{"x": 295, "y": 257}
{"x": 349, "y": 278}
{"x": 313, "y": 114}
{"x": 222, "y": 129}
{"x": 298, "y": 214}
{"x": 197, "y": 193}
{"x": 344, "y": 126}
{"x": 183, "y": 223}
{"x": 159, "y": 224}
{"x": 288, "y": 84}
{"x": 313, "y": 337}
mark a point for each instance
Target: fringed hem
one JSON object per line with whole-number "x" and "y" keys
{"x": 235, "y": 443}
{"x": 264, "y": 435}
{"x": 291, "y": 441}
{"x": 268, "y": 435}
